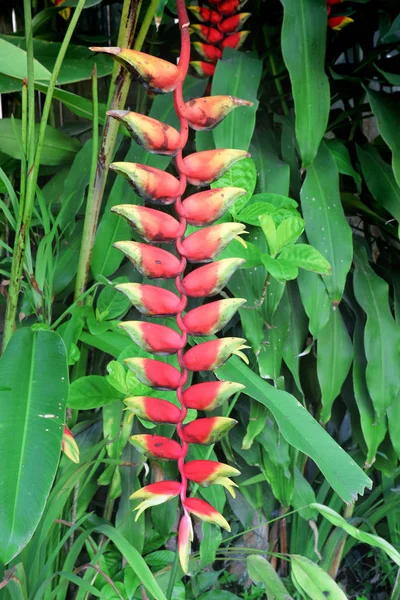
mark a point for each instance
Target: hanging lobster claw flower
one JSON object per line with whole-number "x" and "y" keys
{"x": 208, "y": 51}
{"x": 210, "y": 318}
{"x": 235, "y": 40}
{"x": 206, "y": 244}
{"x": 153, "y": 409}
{"x": 207, "y": 431}
{"x": 154, "y": 373}
{"x": 204, "y": 511}
{"x": 210, "y": 394}
{"x": 149, "y": 183}
{"x": 154, "y": 73}
{"x": 152, "y": 225}
{"x": 206, "y": 113}
{"x": 212, "y": 278}
{"x": 150, "y": 300}
{"x": 69, "y": 446}
{"x": 202, "y": 168}
{"x": 206, "y": 207}
{"x": 207, "y": 34}
{"x": 209, "y": 356}
{"x": 157, "y": 339}
{"x": 151, "y": 134}
{"x": 204, "y": 14}
{"x": 338, "y": 23}
{"x": 185, "y": 539}
{"x": 206, "y": 472}
{"x": 233, "y": 23}
{"x": 155, "y": 494}
{"x": 156, "y": 446}
{"x": 202, "y": 68}
{"x": 150, "y": 261}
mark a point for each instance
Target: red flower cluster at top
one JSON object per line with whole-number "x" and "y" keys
{"x": 219, "y": 29}
{"x": 337, "y": 23}
{"x": 203, "y": 246}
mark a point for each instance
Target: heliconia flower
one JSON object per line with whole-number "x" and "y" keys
{"x": 202, "y": 168}
{"x": 149, "y": 183}
{"x": 204, "y": 245}
{"x": 337, "y": 23}
{"x": 155, "y": 73}
{"x": 206, "y": 207}
{"x": 69, "y": 446}
{"x": 154, "y": 373}
{"x": 209, "y": 356}
{"x": 152, "y": 225}
{"x": 150, "y": 261}
{"x": 150, "y": 300}
{"x": 156, "y": 446}
{"x": 233, "y": 23}
{"x": 207, "y": 472}
{"x": 210, "y": 394}
{"x": 207, "y": 431}
{"x": 206, "y": 113}
{"x": 228, "y": 7}
{"x": 235, "y": 40}
{"x": 153, "y": 409}
{"x": 210, "y": 279}
{"x": 185, "y": 539}
{"x": 332, "y": 2}
{"x": 204, "y": 69}
{"x": 155, "y": 494}
{"x": 210, "y": 318}
{"x": 152, "y": 135}
{"x": 204, "y": 511}
{"x": 206, "y": 33}
{"x": 157, "y": 339}
{"x": 207, "y": 51}
{"x": 204, "y": 14}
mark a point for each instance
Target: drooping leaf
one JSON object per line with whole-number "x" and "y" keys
{"x": 261, "y": 571}
{"x": 306, "y": 257}
{"x": 343, "y": 161}
{"x": 13, "y": 63}
{"x": 315, "y": 300}
{"x": 92, "y": 391}
{"x": 243, "y": 174}
{"x": 314, "y": 581}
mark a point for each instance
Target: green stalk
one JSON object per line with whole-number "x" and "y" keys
{"x": 172, "y": 576}
{"x": 24, "y": 104}
{"x": 34, "y": 150}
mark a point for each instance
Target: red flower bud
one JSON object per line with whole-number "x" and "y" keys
{"x": 154, "y": 373}
{"x": 69, "y": 446}
{"x": 152, "y": 225}
{"x": 235, "y": 40}
{"x": 185, "y": 537}
{"x": 204, "y": 69}
{"x": 206, "y": 113}
{"x": 228, "y": 7}
{"x": 156, "y": 446}
{"x": 210, "y": 318}
{"x": 206, "y": 512}
{"x": 155, "y": 73}
{"x": 207, "y": 431}
{"x": 210, "y": 279}
{"x": 206, "y": 207}
{"x": 210, "y": 394}
{"x": 152, "y": 135}
{"x": 338, "y": 23}
{"x": 206, "y": 244}
{"x": 207, "y": 472}
{"x": 207, "y": 51}
{"x": 208, "y": 34}
{"x": 209, "y": 356}
{"x": 204, "y": 14}
{"x": 202, "y": 168}
{"x": 152, "y": 262}
{"x": 153, "y": 409}
{"x": 153, "y": 338}
{"x": 332, "y": 2}
{"x": 149, "y": 183}
{"x": 154, "y": 494}
{"x": 232, "y": 24}
{"x": 150, "y": 299}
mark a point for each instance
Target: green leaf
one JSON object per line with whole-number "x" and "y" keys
{"x": 261, "y": 571}
{"x": 313, "y": 580}
{"x": 343, "y": 161}
{"x": 269, "y": 230}
{"x": 326, "y": 226}
{"x": 13, "y": 63}
{"x": 92, "y": 391}
{"x": 111, "y": 304}
{"x": 273, "y": 173}
{"x": 33, "y": 391}
{"x": 315, "y": 300}
{"x": 302, "y": 431}
{"x": 303, "y": 48}
{"x": 289, "y": 231}
{"x": 381, "y": 336}
{"x": 243, "y": 174}
{"x": 386, "y": 110}
{"x": 82, "y": 107}
{"x": 334, "y": 358}
{"x": 306, "y": 257}
{"x": 279, "y": 268}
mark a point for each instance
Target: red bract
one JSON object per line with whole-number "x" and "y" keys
{"x": 233, "y": 23}
{"x": 208, "y": 34}
{"x": 199, "y": 209}
{"x": 235, "y": 40}
{"x": 208, "y": 51}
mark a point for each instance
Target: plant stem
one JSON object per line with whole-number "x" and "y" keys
{"x": 172, "y": 577}
{"x": 334, "y": 568}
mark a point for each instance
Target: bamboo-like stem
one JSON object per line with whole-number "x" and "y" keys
{"x": 334, "y": 568}
{"x": 34, "y": 149}
{"x": 283, "y": 539}
{"x": 24, "y": 135}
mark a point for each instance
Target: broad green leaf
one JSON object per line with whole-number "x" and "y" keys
{"x": 303, "y": 48}
{"x": 212, "y": 538}
{"x": 367, "y": 538}
{"x": 250, "y": 253}
{"x": 386, "y": 110}
{"x": 289, "y": 231}
{"x": 92, "y": 391}
{"x": 298, "y": 331}
{"x": 278, "y": 200}
{"x": 326, "y": 226}
{"x": 306, "y": 257}
{"x": 13, "y": 63}
{"x": 315, "y": 300}
{"x": 269, "y": 230}
{"x": 275, "y": 335}
{"x": 302, "y": 431}
{"x": 313, "y": 580}
{"x": 33, "y": 391}
{"x": 343, "y": 161}
{"x": 381, "y": 335}
{"x": 273, "y": 175}
{"x": 58, "y": 148}
{"x": 279, "y": 268}
{"x": 111, "y": 304}
{"x": 243, "y": 174}
{"x": 82, "y": 107}
{"x": 251, "y": 212}
{"x": 261, "y": 571}
{"x": 334, "y": 358}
